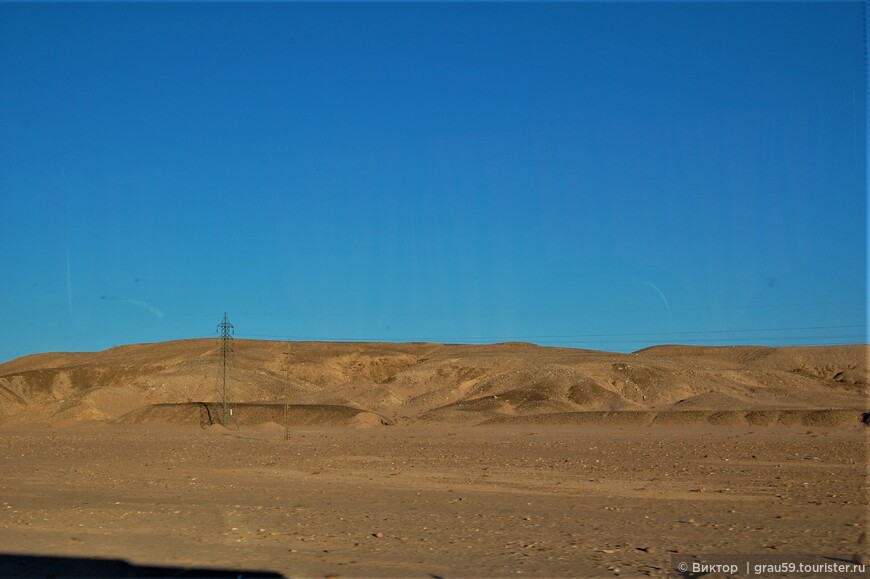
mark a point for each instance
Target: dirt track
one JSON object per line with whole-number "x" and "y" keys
{"x": 419, "y": 501}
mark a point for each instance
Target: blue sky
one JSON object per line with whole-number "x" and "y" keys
{"x": 601, "y": 175}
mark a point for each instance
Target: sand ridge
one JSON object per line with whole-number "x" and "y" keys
{"x": 408, "y": 382}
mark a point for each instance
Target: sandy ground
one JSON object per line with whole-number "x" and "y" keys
{"x": 429, "y": 500}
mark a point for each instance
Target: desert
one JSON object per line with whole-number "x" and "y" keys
{"x": 434, "y": 289}
{"x": 428, "y": 460}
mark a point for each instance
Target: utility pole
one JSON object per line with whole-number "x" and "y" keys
{"x": 225, "y": 333}
{"x": 287, "y": 392}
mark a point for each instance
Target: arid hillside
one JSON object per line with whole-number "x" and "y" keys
{"x": 470, "y": 384}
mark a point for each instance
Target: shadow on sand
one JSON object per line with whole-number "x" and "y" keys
{"x": 59, "y": 567}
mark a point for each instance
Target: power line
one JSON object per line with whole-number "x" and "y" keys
{"x": 695, "y": 332}
{"x": 559, "y": 313}
{"x": 566, "y": 336}
{"x": 850, "y": 339}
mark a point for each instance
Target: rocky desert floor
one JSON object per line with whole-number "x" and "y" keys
{"x": 425, "y": 500}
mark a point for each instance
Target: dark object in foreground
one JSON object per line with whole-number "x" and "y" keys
{"x": 59, "y": 567}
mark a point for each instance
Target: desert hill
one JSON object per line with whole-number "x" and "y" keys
{"x": 435, "y": 382}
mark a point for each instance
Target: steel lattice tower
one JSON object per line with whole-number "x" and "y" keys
{"x": 225, "y": 334}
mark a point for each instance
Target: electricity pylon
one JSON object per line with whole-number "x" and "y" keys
{"x": 225, "y": 333}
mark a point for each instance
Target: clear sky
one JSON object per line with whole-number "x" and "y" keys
{"x": 598, "y": 175}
